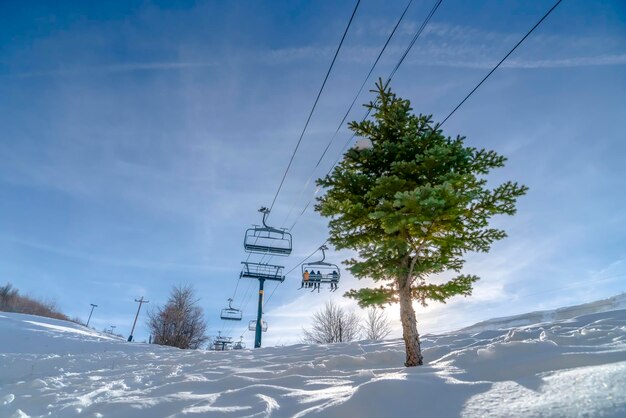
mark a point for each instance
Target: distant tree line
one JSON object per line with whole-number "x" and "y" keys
{"x": 12, "y": 301}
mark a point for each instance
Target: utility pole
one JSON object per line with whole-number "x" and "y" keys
{"x": 141, "y": 302}
{"x": 112, "y": 328}
{"x": 89, "y": 319}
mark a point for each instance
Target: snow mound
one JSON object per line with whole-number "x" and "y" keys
{"x": 572, "y": 366}
{"x": 604, "y": 305}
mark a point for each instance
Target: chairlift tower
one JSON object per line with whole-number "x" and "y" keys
{"x": 265, "y": 240}
{"x": 222, "y": 343}
{"x": 261, "y": 272}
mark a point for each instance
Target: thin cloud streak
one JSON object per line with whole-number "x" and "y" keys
{"x": 141, "y": 264}
{"x": 114, "y": 68}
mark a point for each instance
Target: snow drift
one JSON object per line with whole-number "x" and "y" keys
{"x": 541, "y": 364}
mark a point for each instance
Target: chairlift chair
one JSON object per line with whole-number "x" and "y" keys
{"x": 230, "y": 313}
{"x": 320, "y": 272}
{"x": 239, "y": 345}
{"x": 262, "y": 271}
{"x": 222, "y": 343}
{"x": 266, "y": 239}
{"x": 252, "y": 325}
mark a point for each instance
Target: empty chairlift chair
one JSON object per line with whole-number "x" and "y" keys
{"x": 239, "y": 345}
{"x": 261, "y": 271}
{"x": 266, "y": 239}
{"x": 320, "y": 272}
{"x": 230, "y": 313}
{"x": 222, "y": 343}
{"x": 252, "y": 326}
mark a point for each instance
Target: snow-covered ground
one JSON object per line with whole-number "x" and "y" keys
{"x": 570, "y": 362}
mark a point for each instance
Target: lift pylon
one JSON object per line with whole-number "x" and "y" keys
{"x": 261, "y": 272}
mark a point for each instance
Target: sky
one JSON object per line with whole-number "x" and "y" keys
{"x": 139, "y": 138}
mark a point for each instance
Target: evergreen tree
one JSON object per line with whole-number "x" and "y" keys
{"x": 412, "y": 204}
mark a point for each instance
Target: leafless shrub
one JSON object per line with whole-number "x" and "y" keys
{"x": 77, "y": 320}
{"x": 377, "y": 325}
{"x": 180, "y": 322}
{"x": 332, "y": 324}
{"x": 12, "y": 301}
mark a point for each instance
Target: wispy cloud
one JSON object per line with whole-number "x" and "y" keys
{"x": 441, "y": 45}
{"x": 467, "y": 47}
{"x": 119, "y": 262}
{"x": 112, "y": 69}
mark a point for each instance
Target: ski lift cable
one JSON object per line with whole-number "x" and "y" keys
{"x": 501, "y": 61}
{"x": 393, "y": 31}
{"x": 454, "y": 110}
{"x": 416, "y": 36}
{"x": 466, "y": 97}
{"x": 349, "y": 109}
{"x": 410, "y": 46}
{"x": 345, "y": 116}
{"x": 458, "y": 106}
{"x": 245, "y": 305}
{"x": 278, "y": 284}
{"x": 393, "y": 72}
{"x": 247, "y": 259}
{"x": 292, "y": 269}
{"x": 236, "y": 287}
{"x": 314, "y": 104}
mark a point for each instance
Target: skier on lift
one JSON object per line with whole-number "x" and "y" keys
{"x": 305, "y": 279}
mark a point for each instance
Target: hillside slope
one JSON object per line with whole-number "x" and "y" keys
{"x": 563, "y": 367}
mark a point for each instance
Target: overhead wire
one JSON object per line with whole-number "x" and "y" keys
{"x": 314, "y": 105}
{"x": 414, "y": 39}
{"x": 400, "y": 61}
{"x": 393, "y": 31}
{"x": 501, "y": 61}
{"x": 416, "y": 36}
{"x": 462, "y": 101}
{"x": 345, "y": 116}
{"x": 293, "y": 268}
{"x": 311, "y": 112}
{"x": 446, "y": 118}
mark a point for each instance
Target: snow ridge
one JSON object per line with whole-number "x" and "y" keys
{"x": 572, "y": 366}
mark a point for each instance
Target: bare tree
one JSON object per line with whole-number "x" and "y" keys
{"x": 377, "y": 326}
{"x": 12, "y": 301}
{"x": 180, "y": 322}
{"x": 332, "y": 324}
{"x": 8, "y": 297}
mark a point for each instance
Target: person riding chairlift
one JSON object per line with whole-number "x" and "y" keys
{"x": 305, "y": 279}
{"x": 319, "y": 279}
{"x": 334, "y": 279}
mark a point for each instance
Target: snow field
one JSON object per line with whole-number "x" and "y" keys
{"x": 566, "y": 367}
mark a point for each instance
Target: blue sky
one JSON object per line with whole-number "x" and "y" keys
{"x": 139, "y": 138}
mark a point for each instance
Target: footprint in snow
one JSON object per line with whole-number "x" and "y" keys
{"x": 7, "y": 399}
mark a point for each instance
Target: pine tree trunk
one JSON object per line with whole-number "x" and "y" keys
{"x": 409, "y": 325}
